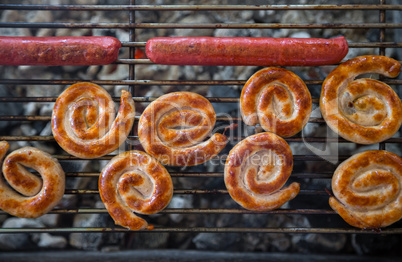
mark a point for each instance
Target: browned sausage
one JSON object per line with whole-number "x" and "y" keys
{"x": 367, "y": 189}
{"x": 364, "y": 110}
{"x": 277, "y": 99}
{"x": 256, "y": 170}
{"x": 84, "y": 122}
{"x": 259, "y": 51}
{"x": 24, "y": 194}
{"x": 57, "y": 51}
{"x": 134, "y": 181}
{"x": 172, "y": 129}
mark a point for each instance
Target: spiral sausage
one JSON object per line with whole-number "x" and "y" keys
{"x": 256, "y": 169}
{"x": 30, "y": 196}
{"x": 277, "y": 99}
{"x": 367, "y": 189}
{"x": 134, "y": 181}
{"x": 82, "y": 120}
{"x": 172, "y": 129}
{"x": 364, "y": 111}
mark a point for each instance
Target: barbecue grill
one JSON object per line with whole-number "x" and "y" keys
{"x": 307, "y": 204}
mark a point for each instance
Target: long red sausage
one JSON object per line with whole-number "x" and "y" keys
{"x": 259, "y": 51}
{"x": 57, "y": 51}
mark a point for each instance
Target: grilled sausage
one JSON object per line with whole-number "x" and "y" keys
{"x": 134, "y": 181}
{"x": 277, "y": 99}
{"x": 258, "y": 51}
{"x": 367, "y": 189}
{"x": 172, "y": 129}
{"x": 364, "y": 111}
{"x": 256, "y": 169}
{"x": 58, "y": 51}
{"x": 30, "y": 196}
{"x": 84, "y": 122}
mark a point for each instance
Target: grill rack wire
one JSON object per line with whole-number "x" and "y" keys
{"x": 134, "y": 84}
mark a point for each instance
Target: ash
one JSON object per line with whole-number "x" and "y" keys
{"x": 251, "y": 242}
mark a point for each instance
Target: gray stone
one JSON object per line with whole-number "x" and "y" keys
{"x": 45, "y": 32}
{"x": 49, "y": 241}
{"x": 195, "y": 19}
{"x": 300, "y": 35}
{"x": 50, "y": 220}
{"x": 310, "y": 130}
{"x": 10, "y": 16}
{"x": 14, "y": 241}
{"x": 86, "y": 241}
{"x": 27, "y": 130}
{"x": 16, "y": 222}
{"x": 224, "y": 91}
{"x": 8, "y": 109}
{"x": 179, "y": 202}
{"x": 91, "y": 241}
{"x": 215, "y": 241}
{"x": 281, "y": 242}
{"x": 30, "y": 109}
{"x": 18, "y": 241}
{"x": 40, "y": 16}
{"x": 118, "y": 72}
{"x": 328, "y": 243}
{"x": 46, "y": 110}
{"x": 150, "y": 240}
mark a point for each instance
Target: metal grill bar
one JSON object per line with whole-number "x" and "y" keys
{"x": 206, "y": 174}
{"x": 137, "y": 118}
{"x": 200, "y": 211}
{"x": 147, "y": 61}
{"x": 288, "y": 139}
{"x": 136, "y": 99}
{"x": 197, "y": 7}
{"x": 292, "y": 230}
{"x": 382, "y": 51}
{"x": 152, "y": 82}
{"x": 202, "y": 174}
{"x": 201, "y": 26}
{"x": 129, "y": 82}
{"x": 133, "y": 89}
{"x": 190, "y": 192}
{"x": 48, "y": 118}
{"x": 133, "y": 61}
{"x": 117, "y": 99}
{"x": 223, "y": 157}
{"x": 351, "y": 45}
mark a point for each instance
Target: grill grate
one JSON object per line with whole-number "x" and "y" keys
{"x": 135, "y": 84}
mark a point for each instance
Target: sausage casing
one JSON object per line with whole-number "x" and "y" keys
{"x": 58, "y": 51}
{"x": 258, "y": 51}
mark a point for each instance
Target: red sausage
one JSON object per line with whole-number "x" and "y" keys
{"x": 57, "y": 51}
{"x": 259, "y": 51}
